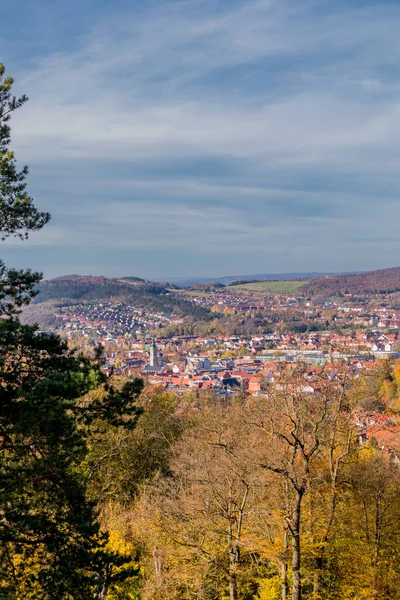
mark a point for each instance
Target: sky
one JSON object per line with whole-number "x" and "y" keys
{"x": 207, "y": 137}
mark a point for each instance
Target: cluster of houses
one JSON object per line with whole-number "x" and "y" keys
{"x": 109, "y": 320}
{"x": 346, "y": 311}
{"x": 199, "y": 370}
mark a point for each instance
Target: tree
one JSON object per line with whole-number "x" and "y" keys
{"x": 18, "y": 214}
{"x": 201, "y": 515}
{"x": 50, "y": 541}
{"x": 375, "y": 483}
{"x": 307, "y": 439}
{"x": 120, "y": 460}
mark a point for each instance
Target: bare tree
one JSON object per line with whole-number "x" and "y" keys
{"x": 210, "y": 500}
{"x": 302, "y": 428}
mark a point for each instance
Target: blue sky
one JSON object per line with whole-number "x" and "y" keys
{"x": 207, "y": 137}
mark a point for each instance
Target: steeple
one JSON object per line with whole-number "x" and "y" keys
{"x": 153, "y": 355}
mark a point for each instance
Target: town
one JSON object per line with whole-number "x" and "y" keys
{"x": 293, "y": 329}
{"x": 253, "y": 340}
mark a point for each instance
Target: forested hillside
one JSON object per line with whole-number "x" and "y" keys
{"x": 151, "y": 296}
{"x": 372, "y": 282}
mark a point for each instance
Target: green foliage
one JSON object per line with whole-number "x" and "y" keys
{"x": 18, "y": 214}
{"x": 120, "y": 460}
{"x": 50, "y": 540}
{"x": 47, "y": 520}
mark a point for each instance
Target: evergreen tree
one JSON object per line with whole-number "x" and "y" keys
{"x": 50, "y": 541}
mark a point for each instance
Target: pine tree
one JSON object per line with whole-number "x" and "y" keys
{"x": 50, "y": 541}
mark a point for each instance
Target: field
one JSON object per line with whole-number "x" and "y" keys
{"x": 279, "y": 287}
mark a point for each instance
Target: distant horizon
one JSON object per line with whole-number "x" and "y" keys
{"x": 224, "y": 278}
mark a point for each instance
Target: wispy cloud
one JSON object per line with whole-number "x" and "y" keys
{"x": 284, "y": 114}
{"x": 138, "y": 86}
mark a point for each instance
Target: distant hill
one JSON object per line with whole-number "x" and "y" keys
{"x": 280, "y": 286}
{"x": 154, "y": 297}
{"x": 228, "y": 279}
{"x": 372, "y": 282}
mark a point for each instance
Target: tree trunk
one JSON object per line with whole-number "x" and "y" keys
{"x": 233, "y": 562}
{"x": 285, "y": 552}
{"x": 319, "y": 561}
{"x": 232, "y": 586}
{"x": 296, "y": 549}
{"x": 157, "y": 562}
{"x": 377, "y": 545}
{"x": 284, "y": 579}
{"x": 106, "y": 582}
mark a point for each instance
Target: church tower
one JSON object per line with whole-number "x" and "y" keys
{"x": 153, "y": 355}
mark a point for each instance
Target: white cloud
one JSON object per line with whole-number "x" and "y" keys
{"x": 274, "y": 86}
{"x": 133, "y": 91}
